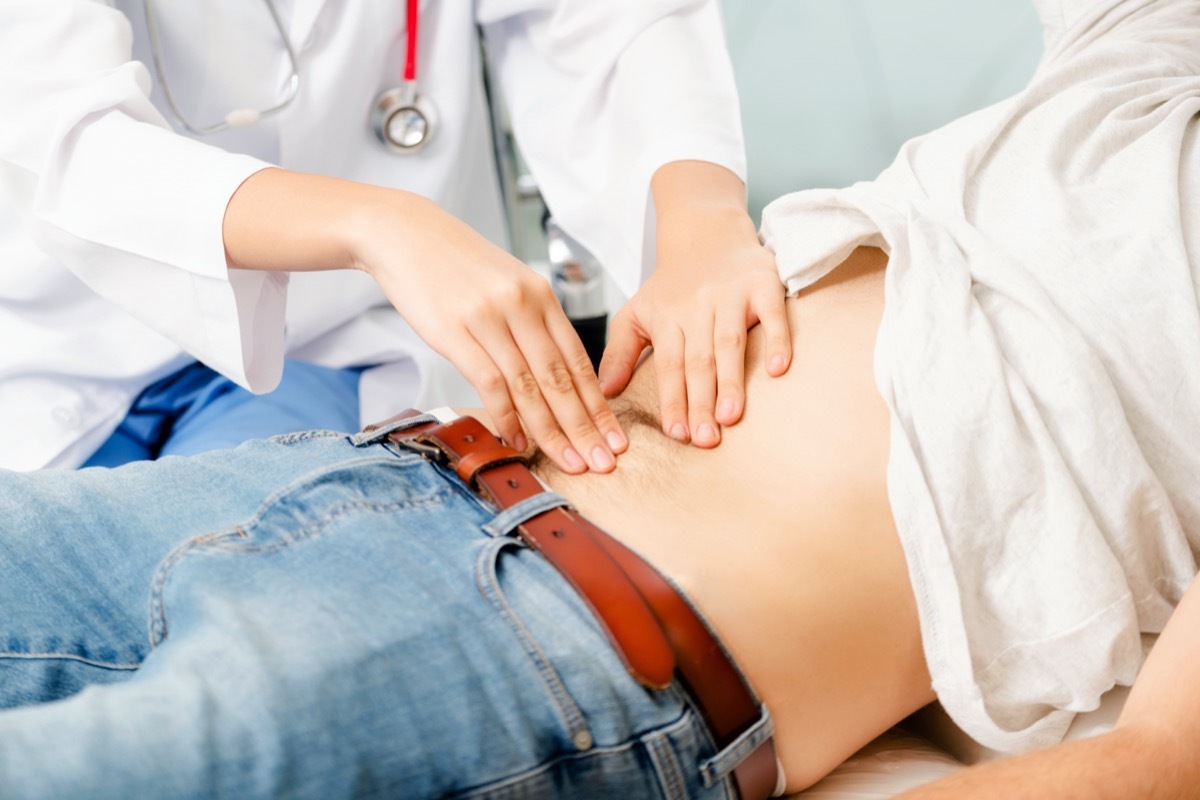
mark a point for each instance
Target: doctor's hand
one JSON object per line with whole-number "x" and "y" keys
{"x": 501, "y": 325}
{"x": 492, "y": 317}
{"x": 712, "y": 283}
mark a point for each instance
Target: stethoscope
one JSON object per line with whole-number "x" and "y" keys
{"x": 402, "y": 119}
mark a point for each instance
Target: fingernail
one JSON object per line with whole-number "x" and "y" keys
{"x": 707, "y": 432}
{"x": 777, "y": 363}
{"x": 678, "y": 431}
{"x": 615, "y": 440}
{"x": 725, "y": 408}
{"x": 572, "y": 459}
{"x": 601, "y": 458}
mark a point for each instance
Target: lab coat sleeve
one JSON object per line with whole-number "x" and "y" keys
{"x": 600, "y": 96}
{"x": 131, "y": 208}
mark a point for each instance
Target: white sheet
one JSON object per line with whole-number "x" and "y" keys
{"x": 928, "y": 746}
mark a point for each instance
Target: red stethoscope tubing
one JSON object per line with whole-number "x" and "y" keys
{"x": 401, "y": 118}
{"x": 410, "y": 50}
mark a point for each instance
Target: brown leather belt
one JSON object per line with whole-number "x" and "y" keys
{"x": 654, "y": 629}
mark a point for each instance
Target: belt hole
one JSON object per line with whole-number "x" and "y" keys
{"x": 556, "y": 533}
{"x": 468, "y": 438}
{"x": 513, "y": 483}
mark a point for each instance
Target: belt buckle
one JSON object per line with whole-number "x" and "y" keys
{"x": 425, "y": 448}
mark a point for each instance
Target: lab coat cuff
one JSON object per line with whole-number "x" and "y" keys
{"x": 142, "y": 226}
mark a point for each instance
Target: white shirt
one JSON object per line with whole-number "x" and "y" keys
{"x": 110, "y": 224}
{"x": 1040, "y": 356}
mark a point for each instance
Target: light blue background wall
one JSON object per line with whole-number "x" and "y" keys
{"x": 831, "y": 88}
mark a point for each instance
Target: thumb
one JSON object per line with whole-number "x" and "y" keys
{"x": 626, "y": 342}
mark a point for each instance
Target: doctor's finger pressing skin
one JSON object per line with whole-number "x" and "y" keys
{"x": 712, "y": 282}
{"x": 498, "y": 322}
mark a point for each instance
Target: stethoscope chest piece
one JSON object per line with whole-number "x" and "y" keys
{"x": 403, "y": 119}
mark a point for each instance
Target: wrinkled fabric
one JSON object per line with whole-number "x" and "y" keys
{"x": 1040, "y": 357}
{"x": 113, "y": 264}
{"x": 317, "y": 616}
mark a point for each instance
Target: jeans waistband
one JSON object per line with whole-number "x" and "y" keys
{"x": 651, "y": 625}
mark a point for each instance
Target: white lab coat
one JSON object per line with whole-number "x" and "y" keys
{"x": 112, "y": 268}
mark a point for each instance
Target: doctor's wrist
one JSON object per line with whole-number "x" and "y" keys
{"x": 392, "y": 227}
{"x": 682, "y": 187}
{"x": 720, "y": 236}
{"x": 700, "y": 206}
{"x": 372, "y": 221}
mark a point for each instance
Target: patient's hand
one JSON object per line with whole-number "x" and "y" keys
{"x": 713, "y": 282}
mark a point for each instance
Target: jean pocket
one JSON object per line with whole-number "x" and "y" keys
{"x": 513, "y": 591}
{"x": 658, "y": 763}
{"x": 378, "y": 485}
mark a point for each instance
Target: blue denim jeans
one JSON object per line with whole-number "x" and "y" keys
{"x": 315, "y": 616}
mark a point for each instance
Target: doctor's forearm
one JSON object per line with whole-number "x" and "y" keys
{"x": 492, "y": 317}
{"x": 279, "y": 220}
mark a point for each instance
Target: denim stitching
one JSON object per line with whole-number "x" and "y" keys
{"x": 725, "y": 761}
{"x": 229, "y": 542}
{"x": 507, "y": 520}
{"x": 707, "y": 735}
{"x": 310, "y": 478}
{"x": 670, "y": 776}
{"x": 157, "y": 627}
{"x": 495, "y": 787}
{"x": 384, "y": 431}
{"x": 488, "y": 584}
{"x": 301, "y": 436}
{"x": 91, "y": 662}
{"x": 232, "y": 544}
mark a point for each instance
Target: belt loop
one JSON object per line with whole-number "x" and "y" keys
{"x": 730, "y": 756}
{"x": 380, "y": 430}
{"x": 654, "y": 628}
{"x": 507, "y": 520}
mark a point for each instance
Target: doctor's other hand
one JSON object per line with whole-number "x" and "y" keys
{"x": 712, "y": 283}
{"x": 501, "y": 325}
{"x": 492, "y": 317}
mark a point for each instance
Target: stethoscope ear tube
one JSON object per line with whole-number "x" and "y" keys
{"x": 237, "y": 117}
{"x": 402, "y": 119}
